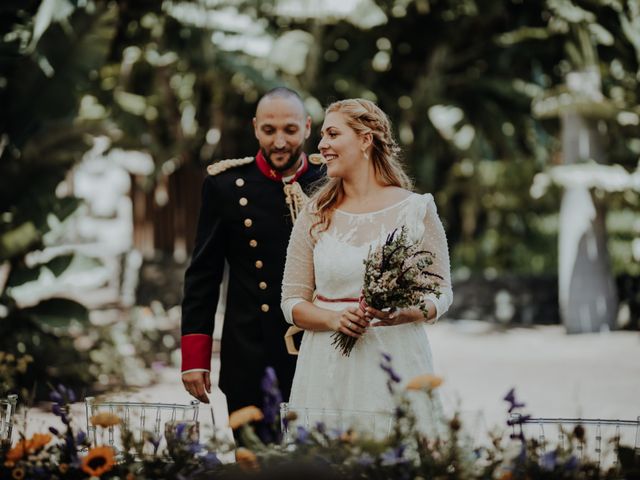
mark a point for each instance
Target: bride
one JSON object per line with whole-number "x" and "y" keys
{"x": 366, "y": 196}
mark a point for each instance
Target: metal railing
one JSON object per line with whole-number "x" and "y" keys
{"x": 598, "y": 433}
{"x": 380, "y": 424}
{"x": 7, "y": 410}
{"x": 142, "y": 420}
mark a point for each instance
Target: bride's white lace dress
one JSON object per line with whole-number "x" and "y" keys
{"x": 331, "y": 266}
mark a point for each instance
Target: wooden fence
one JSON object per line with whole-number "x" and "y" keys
{"x": 165, "y": 216}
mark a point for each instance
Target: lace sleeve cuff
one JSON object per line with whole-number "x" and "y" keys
{"x": 442, "y": 304}
{"x": 287, "y": 308}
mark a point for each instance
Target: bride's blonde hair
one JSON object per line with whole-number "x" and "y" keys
{"x": 363, "y": 116}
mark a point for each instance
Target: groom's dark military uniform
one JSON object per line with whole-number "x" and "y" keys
{"x": 245, "y": 219}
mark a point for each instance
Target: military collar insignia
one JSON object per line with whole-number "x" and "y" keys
{"x": 276, "y": 176}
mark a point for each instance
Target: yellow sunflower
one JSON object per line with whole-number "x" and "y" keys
{"x": 245, "y": 415}
{"x": 99, "y": 460}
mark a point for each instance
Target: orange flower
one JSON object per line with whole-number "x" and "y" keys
{"x": 19, "y": 451}
{"x": 39, "y": 440}
{"x": 245, "y": 415}
{"x": 105, "y": 419}
{"x": 247, "y": 459}
{"x": 25, "y": 447}
{"x": 424, "y": 382}
{"x": 99, "y": 460}
{"x": 349, "y": 436}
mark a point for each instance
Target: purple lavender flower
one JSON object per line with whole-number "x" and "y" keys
{"x": 572, "y": 463}
{"x": 548, "y": 461}
{"x": 510, "y": 397}
{"x": 272, "y": 398}
{"x": 196, "y": 448}
{"x": 394, "y": 456}
{"x": 180, "y": 428}
{"x": 365, "y": 460}
{"x": 392, "y": 375}
{"x": 81, "y": 437}
{"x": 302, "y": 435}
{"x": 154, "y": 441}
{"x": 211, "y": 459}
{"x": 55, "y": 397}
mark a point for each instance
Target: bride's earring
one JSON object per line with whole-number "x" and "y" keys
{"x": 366, "y": 156}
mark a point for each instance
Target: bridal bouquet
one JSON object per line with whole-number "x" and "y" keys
{"x": 396, "y": 276}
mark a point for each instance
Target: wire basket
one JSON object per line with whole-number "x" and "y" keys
{"x": 378, "y": 424}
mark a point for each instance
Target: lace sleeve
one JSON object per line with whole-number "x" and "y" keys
{"x": 435, "y": 241}
{"x": 298, "y": 283}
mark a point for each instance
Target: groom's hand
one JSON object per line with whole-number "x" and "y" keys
{"x": 198, "y": 384}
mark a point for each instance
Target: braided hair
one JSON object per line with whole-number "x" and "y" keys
{"x": 364, "y": 117}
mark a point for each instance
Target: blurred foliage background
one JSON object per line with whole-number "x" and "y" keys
{"x": 474, "y": 88}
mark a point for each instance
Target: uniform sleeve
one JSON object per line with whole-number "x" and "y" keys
{"x": 202, "y": 284}
{"x": 435, "y": 240}
{"x": 298, "y": 283}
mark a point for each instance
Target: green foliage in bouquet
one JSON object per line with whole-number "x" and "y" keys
{"x": 396, "y": 276}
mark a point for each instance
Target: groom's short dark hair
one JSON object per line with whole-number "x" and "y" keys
{"x": 282, "y": 92}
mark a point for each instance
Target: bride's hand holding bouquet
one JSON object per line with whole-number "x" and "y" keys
{"x": 351, "y": 321}
{"x": 398, "y": 316}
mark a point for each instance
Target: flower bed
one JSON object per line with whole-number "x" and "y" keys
{"x": 310, "y": 453}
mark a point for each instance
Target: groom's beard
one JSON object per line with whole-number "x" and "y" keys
{"x": 294, "y": 155}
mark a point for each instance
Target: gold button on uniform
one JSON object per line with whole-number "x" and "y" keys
{"x": 239, "y": 182}
{"x": 262, "y": 285}
{"x": 248, "y": 222}
{"x": 259, "y": 264}
{"x": 264, "y": 308}
{"x": 253, "y": 243}
{"x": 243, "y": 201}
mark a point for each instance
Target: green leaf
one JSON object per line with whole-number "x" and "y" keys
{"x": 18, "y": 240}
{"x": 58, "y": 313}
{"x": 71, "y": 263}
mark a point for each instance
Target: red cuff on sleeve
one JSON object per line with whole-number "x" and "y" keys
{"x": 196, "y": 351}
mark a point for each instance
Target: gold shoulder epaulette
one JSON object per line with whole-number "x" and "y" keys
{"x": 223, "y": 165}
{"x": 316, "y": 159}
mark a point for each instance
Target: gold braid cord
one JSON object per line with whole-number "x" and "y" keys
{"x": 223, "y": 165}
{"x": 295, "y": 198}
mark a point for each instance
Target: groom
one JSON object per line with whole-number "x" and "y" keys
{"x": 245, "y": 221}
